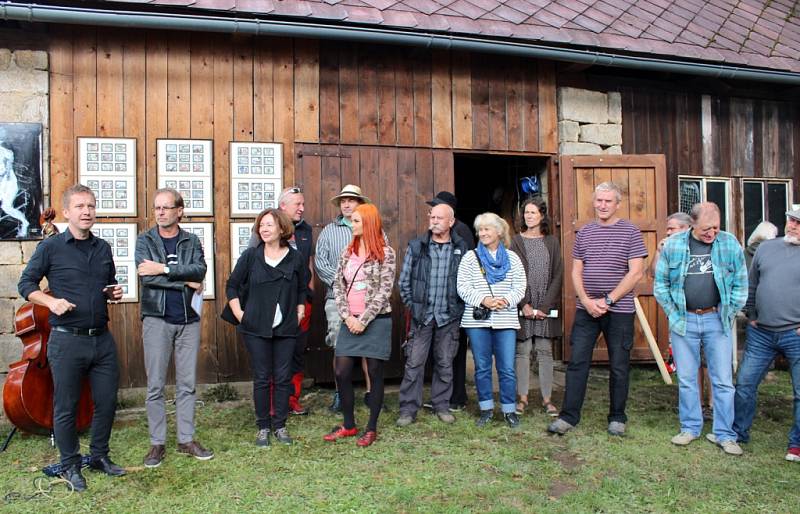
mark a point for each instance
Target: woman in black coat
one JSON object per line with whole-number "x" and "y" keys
{"x": 266, "y": 293}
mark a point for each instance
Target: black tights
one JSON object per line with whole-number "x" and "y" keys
{"x": 344, "y": 379}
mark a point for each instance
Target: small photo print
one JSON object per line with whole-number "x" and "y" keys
{"x": 197, "y": 148}
{"x": 268, "y": 151}
{"x": 185, "y": 157}
{"x": 91, "y": 157}
{"x": 171, "y": 166}
{"x": 198, "y": 157}
{"x": 198, "y": 168}
{"x": 244, "y": 170}
{"x": 120, "y": 184}
{"x": 269, "y": 186}
{"x": 122, "y": 279}
{"x": 122, "y": 269}
{"x": 92, "y": 147}
{"x": 269, "y": 195}
{"x": 184, "y": 167}
{"x": 198, "y": 204}
{"x": 256, "y": 151}
{"x": 256, "y": 170}
{"x": 242, "y": 160}
{"x": 120, "y": 166}
{"x": 256, "y": 205}
{"x": 171, "y": 147}
{"x": 124, "y": 290}
{"x": 269, "y": 205}
{"x": 107, "y": 232}
{"x": 269, "y": 170}
{"x": 244, "y": 196}
{"x": 122, "y": 252}
{"x": 121, "y": 232}
{"x": 106, "y": 166}
{"x": 107, "y": 193}
{"x": 106, "y": 147}
{"x": 187, "y": 203}
{"x": 242, "y": 150}
{"x": 120, "y": 147}
{"x": 185, "y": 193}
{"x": 171, "y": 183}
{"x": 243, "y": 206}
{"x": 197, "y": 184}
{"x": 257, "y": 196}
{"x": 183, "y": 148}
{"x": 269, "y": 160}
{"x": 185, "y": 184}
{"x": 107, "y": 184}
{"x": 255, "y": 160}
{"x": 120, "y": 194}
{"x": 92, "y": 166}
{"x": 106, "y": 156}
{"x": 197, "y": 193}
{"x": 121, "y": 204}
{"x": 93, "y": 184}
{"x": 107, "y": 204}
{"x": 119, "y": 157}
{"x": 258, "y": 186}
{"x": 243, "y": 186}
{"x": 243, "y": 241}
{"x": 172, "y": 157}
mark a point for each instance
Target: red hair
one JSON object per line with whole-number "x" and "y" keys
{"x": 372, "y": 233}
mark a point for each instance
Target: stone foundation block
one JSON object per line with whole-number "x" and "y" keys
{"x": 613, "y": 150}
{"x": 10, "y": 252}
{"x": 9, "y": 276}
{"x": 31, "y": 59}
{"x": 605, "y": 134}
{"x": 579, "y": 149}
{"x": 582, "y": 105}
{"x": 568, "y": 131}
{"x": 614, "y": 107}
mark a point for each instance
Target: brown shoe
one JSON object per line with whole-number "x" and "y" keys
{"x": 194, "y": 449}
{"x": 155, "y": 456}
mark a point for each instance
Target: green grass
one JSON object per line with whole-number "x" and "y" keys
{"x": 430, "y": 467}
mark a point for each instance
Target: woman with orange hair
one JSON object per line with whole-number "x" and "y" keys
{"x": 361, "y": 288}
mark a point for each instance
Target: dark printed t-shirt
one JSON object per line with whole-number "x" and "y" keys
{"x": 174, "y": 311}
{"x": 605, "y": 251}
{"x": 699, "y": 286}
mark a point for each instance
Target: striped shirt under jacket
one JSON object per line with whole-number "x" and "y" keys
{"x": 473, "y": 288}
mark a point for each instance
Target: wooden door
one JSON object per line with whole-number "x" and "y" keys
{"x": 642, "y": 179}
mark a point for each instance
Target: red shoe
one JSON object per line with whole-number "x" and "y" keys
{"x": 367, "y": 438}
{"x": 294, "y": 398}
{"x": 339, "y": 432}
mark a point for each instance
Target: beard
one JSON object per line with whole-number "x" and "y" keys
{"x": 792, "y": 240}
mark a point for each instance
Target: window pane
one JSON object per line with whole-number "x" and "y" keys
{"x": 753, "y": 206}
{"x": 776, "y": 205}
{"x": 715, "y": 192}
{"x": 688, "y": 195}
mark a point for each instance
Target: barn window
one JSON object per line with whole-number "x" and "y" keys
{"x": 692, "y": 190}
{"x": 764, "y": 200}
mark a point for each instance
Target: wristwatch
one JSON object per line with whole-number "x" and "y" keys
{"x": 166, "y": 270}
{"x": 609, "y": 301}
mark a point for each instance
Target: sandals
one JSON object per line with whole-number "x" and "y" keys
{"x": 521, "y": 406}
{"x": 550, "y": 409}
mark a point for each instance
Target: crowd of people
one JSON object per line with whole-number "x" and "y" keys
{"x": 502, "y": 293}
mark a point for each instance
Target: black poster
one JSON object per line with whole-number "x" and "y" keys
{"x": 20, "y": 180}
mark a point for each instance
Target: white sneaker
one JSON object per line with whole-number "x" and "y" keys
{"x": 683, "y": 439}
{"x": 729, "y": 447}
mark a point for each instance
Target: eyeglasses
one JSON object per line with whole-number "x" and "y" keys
{"x": 161, "y": 208}
{"x": 294, "y": 190}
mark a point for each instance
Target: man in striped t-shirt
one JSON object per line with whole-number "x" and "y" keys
{"x": 608, "y": 261}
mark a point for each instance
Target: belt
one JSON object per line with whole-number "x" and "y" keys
{"x": 704, "y": 311}
{"x": 80, "y": 331}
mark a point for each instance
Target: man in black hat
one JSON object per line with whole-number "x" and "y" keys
{"x": 458, "y": 400}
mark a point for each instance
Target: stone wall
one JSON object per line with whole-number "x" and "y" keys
{"x": 589, "y": 122}
{"x": 24, "y": 97}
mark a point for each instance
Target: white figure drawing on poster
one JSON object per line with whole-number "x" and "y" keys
{"x": 20, "y": 180}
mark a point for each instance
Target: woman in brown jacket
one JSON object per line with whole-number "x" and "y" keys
{"x": 539, "y": 310}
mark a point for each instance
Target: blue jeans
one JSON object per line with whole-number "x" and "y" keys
{"x": 762, "y": 347}
{"x": 706, "y": 331}
{"x": 488, "y": 342}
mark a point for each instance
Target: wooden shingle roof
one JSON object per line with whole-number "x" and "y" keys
{"x": 757, "y": 33}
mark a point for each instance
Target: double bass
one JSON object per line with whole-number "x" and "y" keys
{"x": 28, "y": 390}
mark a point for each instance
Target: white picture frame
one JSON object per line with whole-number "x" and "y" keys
{"x": 121, "y": 237}
{"x": 256, "y": 171}
{"x": 240, "y": 239}
{"x": 186, "y": 165}
{"x": 205, "y": 232}
{"x": 107, "y": 166}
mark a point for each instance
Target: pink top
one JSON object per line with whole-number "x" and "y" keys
{"x": 358, "y": 292}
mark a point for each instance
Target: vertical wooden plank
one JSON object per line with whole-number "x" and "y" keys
{"x": 85, "y": 84}
{"x": 422, "y": 102}
{"x": 462, "y": 101}
{"x": 498, "y": 135}
{"x": 441, "y": 103}
{"x": 350, "y": 170}
{"x": 584, "y": 188}
{"x": 283, "y": 101}
{"x": 480, "y": 106}
{"x": 770, "y": 138}
{"x": 514, "y": 105}
{"x": 62, "y": 137}
{"x": 786, "y": 124}
{"x": 109, "y": 84}
{"x": 388, "y": 202}
{"x": 348, "y": 93}
{"x": 202, "y": 88}
{"x": 387, "y": 127}
{"x": 306, "y": 90}
{"x": 263, "y": 113}
{"x": 601, "y": 175}
{"x": 694, "y": 138}
{"x": 530, "y": 106}
{"x": 156, "y": 98}
{"x": 178, "y": 76}
{"x": 710, "y": 164}
{"x": 331, "y": 183}
{"x": 619, "y": 176}
{"x": 444, "y": 174}
{"x": 408, "y": 208}
{"x": 758, "y": 140}
{"x": 242, "y": 90}
{"x": 548, "y": 137}
{"x": 425, "y": 190}
{"x": 314, "y": 183}
{"x": 404, "y": 94}
{"x": 368, "y": 97}
{"x": 369, "y": 176}
{"x": 742, "y": 134}
{"x": 638, "y": 198}
{"x": 329, "y": 93}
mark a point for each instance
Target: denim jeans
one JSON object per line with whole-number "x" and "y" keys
{"x": 488, "y": 342}
{"x": 617, "y": 329}
{"x": 762, "y": 347}
{"x": 706, "y": 331}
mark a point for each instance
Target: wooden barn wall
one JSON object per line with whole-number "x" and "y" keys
{"x": 749, "y": 137}
{"x": 149, "y": 85}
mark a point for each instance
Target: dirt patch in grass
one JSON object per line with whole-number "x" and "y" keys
{"x": 568, "y": 460}
{"x": 559, "y": 488}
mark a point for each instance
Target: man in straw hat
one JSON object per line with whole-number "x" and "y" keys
{"x": 332, "y": 241}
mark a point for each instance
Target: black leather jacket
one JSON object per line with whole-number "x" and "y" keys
{"x": 191, "y": 267}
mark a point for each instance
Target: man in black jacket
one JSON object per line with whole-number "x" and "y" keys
{"x": 428, "y": 288}
{"x": 171, "y": 265}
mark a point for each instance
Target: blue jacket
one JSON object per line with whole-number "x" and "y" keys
{"x": 730, "y": 275}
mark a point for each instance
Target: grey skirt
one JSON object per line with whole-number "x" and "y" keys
{"x": 375, "y": 342}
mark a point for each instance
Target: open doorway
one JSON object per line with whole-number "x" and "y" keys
{"x": 498, "y": 183}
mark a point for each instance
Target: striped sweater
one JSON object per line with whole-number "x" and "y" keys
{"x": 473, "y": 288}
{"x": 331, "y": 242}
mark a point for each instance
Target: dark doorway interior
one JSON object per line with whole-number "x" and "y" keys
{"x": 494, "y": 183}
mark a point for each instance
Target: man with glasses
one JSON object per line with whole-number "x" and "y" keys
{"x": 172, "y": 267}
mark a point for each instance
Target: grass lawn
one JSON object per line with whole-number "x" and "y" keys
{"x": 430, "y": 467}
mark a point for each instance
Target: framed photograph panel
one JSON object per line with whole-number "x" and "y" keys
{"x": 256, "y": 177}
{"x": 186, "y": 165}
{"x": 240, "y": 239}
{"x": 122, "y": 239}
{"x": 205, "y": 232}
{"x": 107, "y": 166}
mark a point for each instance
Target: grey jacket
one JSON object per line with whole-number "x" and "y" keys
{"x": 191, "y": 267}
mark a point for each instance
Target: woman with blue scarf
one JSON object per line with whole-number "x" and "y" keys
{"x": 491, "y": 281}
